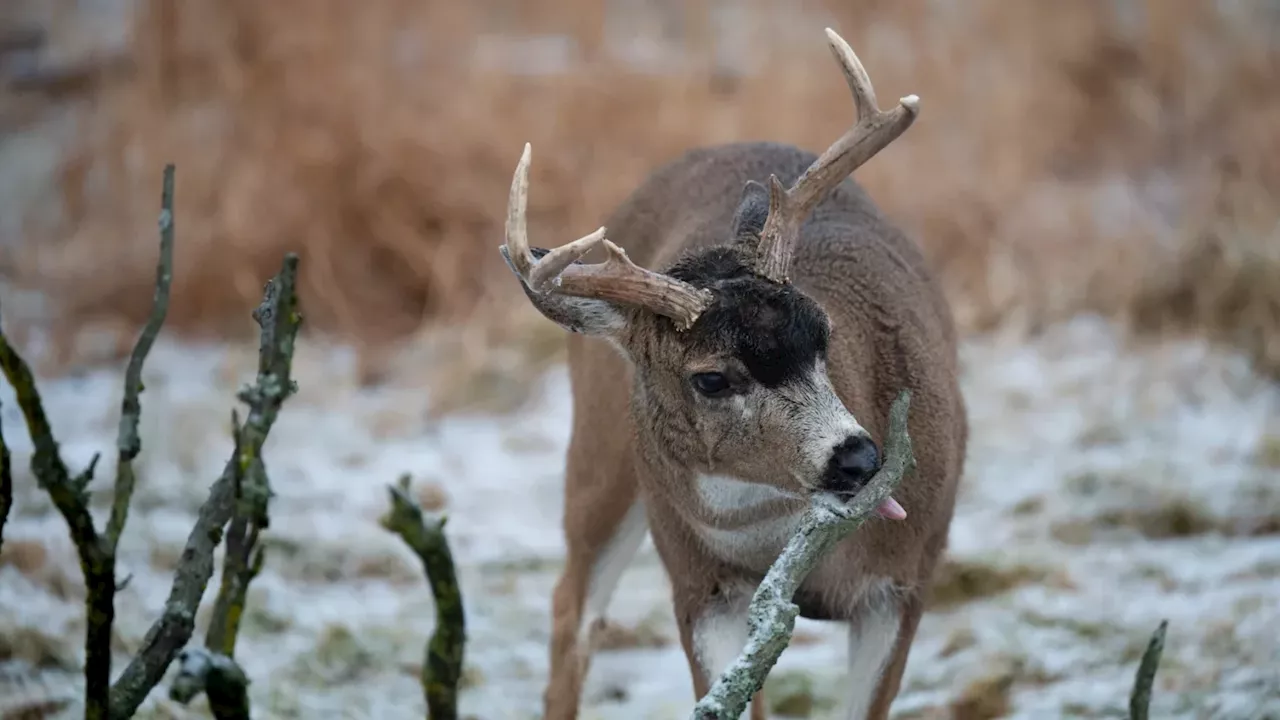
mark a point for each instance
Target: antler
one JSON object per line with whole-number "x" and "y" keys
{"x": 872, "y": 132}
{"x": 616, "y": 279}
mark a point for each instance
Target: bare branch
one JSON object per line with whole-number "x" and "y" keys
{"x": 442, "y": 668}
{"x": 219, "y": 677}
{"x": 772, "y": 614}
{"x": 1145, "y": 678}
{"x": 97, "y": 562}
{"x": 97, "y": 552}
{"x": 128, "y": 444}
{"x": 280, "y": 319}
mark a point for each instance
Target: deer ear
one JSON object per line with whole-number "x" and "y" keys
{"x": 587, "y": 316}
{"x": 752, "y": 212}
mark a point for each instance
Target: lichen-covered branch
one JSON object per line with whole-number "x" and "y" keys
{"x": 442, "y": 668}
{"x": 241, "y": 563}
{"x": 173, "y": 629}
{"x": 97, "y": 552}
{"x": 217, "y": 676}
{"x": 280, "y": 320}
{"x": 1144, "y": 680}
{"x": 772, "y": 614}
{"x": 128, "y": 444}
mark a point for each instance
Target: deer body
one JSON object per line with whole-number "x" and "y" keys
{"x": 712, "y": 398}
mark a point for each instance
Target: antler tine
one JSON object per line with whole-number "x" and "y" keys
{"x": 517, "y": 240}
{"x": 620, "y": 280}
{"x": 537, "y": 272}
{"x": 864, "y": 93}
{"x": 873, "y": 130}
{"x": 617, "y": 278}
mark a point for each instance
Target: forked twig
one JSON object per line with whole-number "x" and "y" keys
{"x": 97, "y": 551}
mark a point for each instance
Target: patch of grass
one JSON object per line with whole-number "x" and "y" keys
{"x": 259, "y": 619}
{"x": 37, "y": 648}
{"x": 1179, "y": 517}
{"x": 335, "y": 561}
{"x": 1101, "y": 434}
{"x": 1072, "y": 532}
{"x": 1084, "y": 629}
{"x": 1268, "y": 453}
{"x": 338, "y": 656}
{"x": 1156, "y": 574}
{"x": 35, "y": 695}
{"x": 957, "y": 581}
{"x": 528, "y": 564}
{"x": 29, "y": 557}
{"x": 986, "y": 698}
{"x": 1172, "y": 518}
{"x": 1222, "y": 280}
{"x": 958, "y": 641}
{"x": 1086, "y": 484}
{"x": 650, "y": 632}
{"x": 1263, "y": 570}
{"x": 791, "y": 693}
{"x": 1029, "y": 506}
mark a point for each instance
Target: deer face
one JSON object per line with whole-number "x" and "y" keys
{"x": 744, "y": 391}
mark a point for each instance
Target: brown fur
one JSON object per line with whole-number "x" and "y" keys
{"x": 637, "y": 438}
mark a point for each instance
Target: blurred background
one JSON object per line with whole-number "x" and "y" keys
{"x": 1095, "y": 182}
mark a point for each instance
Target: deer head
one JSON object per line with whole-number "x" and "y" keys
{"x": 729, "y": 357}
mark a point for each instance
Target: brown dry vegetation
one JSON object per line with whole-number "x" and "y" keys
{"x": 1092, "y": 155}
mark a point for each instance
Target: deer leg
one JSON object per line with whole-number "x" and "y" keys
{"x": 604, "y": 525}
{"x": 713, "y": 630}
{"x": 880, "y": 635}
{"x": 881, "y": 695}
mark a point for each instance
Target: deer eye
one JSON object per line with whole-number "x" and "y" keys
{"x": 712, "y": 384}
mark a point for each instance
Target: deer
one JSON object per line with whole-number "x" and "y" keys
{"x": 737, "y": 358}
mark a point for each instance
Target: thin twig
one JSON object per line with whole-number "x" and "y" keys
{"x": 219, "y": 677}
{"x": 128, "y": 444}
{"x": 1144, "y": 680}
{"x": 6, "y": 485}
{"x": 772, "y": 614}
{"x": 442, "y": 668}
{"x": 174, "y": 627}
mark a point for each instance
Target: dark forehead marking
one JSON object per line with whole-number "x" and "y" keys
{"x": 775, "y": 330}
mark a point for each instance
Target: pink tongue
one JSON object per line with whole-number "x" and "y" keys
{"x": 891, "y": 509}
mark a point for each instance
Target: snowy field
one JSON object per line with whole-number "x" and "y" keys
{"x": 1108, "y": 487}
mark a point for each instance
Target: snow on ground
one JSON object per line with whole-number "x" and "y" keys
{"x": 1108, "y": 487}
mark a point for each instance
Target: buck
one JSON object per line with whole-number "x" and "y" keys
{"x": 713, "y": 397}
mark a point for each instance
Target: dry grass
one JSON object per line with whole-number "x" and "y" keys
{"x": 986, "y": 698}
{"x": 1062, "y": 147}
{"x": 956, "y": 581}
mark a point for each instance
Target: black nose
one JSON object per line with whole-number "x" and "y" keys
{"x": 852, "y": 464}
